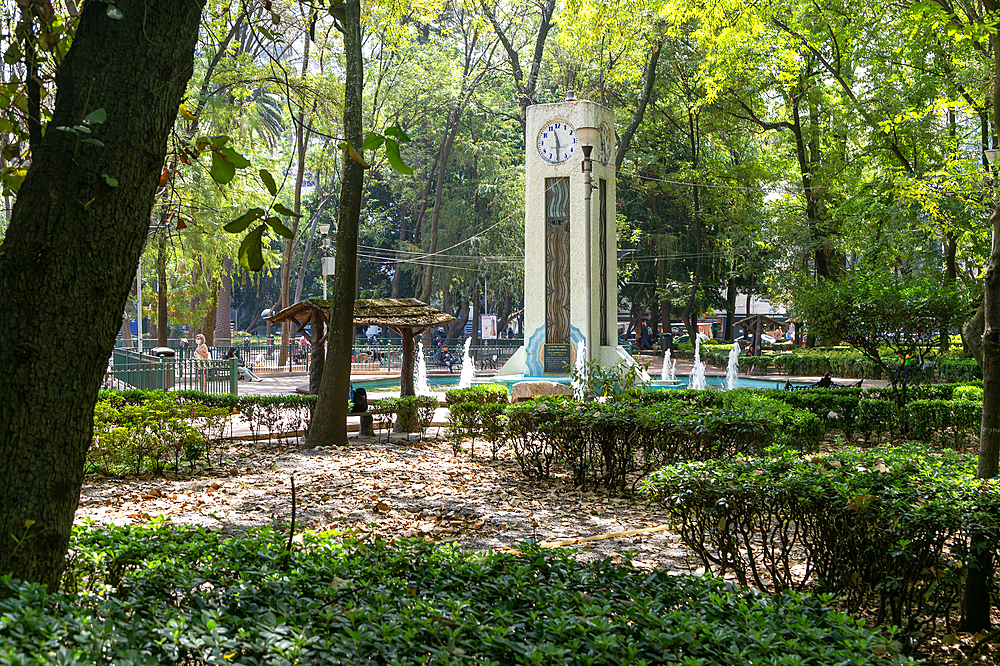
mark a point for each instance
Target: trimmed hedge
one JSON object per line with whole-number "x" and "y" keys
{"x": 885, "y": 531}
{"x": 617, "y": 443}
{"x": 152, "y": 595}
{"x": 481, "y": 393}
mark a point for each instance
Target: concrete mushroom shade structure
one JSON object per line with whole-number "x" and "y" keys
{"x": 406, "y": 316}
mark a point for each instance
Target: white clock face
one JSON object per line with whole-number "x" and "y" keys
{"x": 557, "y": 141}
{"x": 606, "y": 144}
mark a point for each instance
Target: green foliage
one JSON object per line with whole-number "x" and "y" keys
{"x": 875, "y": 311}
{"x": 148, "y": 436}
{"x": 481, "y": 393}
{"x": 163, "y": 594}
{"x": 617, "y": 443}
{"x": 282, "y": 415}
{"x": 959, "y": 369}
{"x": 609, "y": 381}
{"x": 884, "y": 530}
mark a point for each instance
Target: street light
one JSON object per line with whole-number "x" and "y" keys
{"x": 587, "y": 136}
{"x": 991, "y": 155}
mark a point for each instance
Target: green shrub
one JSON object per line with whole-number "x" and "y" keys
{"x": 958, "y": 369}
{"x": 183, "y": 595}
{"x": 952, "y": 422}
{"x": 968, "y": 392}
{"x": 481, "y": 393}
{"x": 147, "y": 433}
{"x": 617, "y": 443}
{"x": 884, "y": 530}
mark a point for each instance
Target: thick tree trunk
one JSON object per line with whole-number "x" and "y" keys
{"x": 979, "y": 581}
{"x": 329, "y": 424}
{"x": 76, "y": 236}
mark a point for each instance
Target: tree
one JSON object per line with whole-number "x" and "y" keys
{"x": 329, "y": 424}
{"x": 873, "y": 311}
{"x": 77, "y": 228}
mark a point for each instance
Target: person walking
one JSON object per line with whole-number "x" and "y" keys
{"x": 202, "y": 355}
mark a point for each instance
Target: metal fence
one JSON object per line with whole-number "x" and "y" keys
{"x": 128, "y": 369}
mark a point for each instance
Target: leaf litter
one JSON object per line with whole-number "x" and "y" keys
{"x": 400, "y": 489}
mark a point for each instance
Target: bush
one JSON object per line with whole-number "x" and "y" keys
{"x": 188, "y": 595}
{"x": 150, "y": 432}
{"x": 886, "y": 531}
{"x": 617, "y": 443}
{"x": 481, "y": 393}
{"x": 958, "y": 369}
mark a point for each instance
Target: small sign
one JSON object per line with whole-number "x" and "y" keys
{"x": 488, "y": 325}
{"x": 557, "y": 359}
{"x": 328, "y": 265}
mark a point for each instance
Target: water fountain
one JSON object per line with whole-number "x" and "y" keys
{"x": 468, "y": 368}
{"x": 420, "y": 385}
{"x": 733, "y": 368}
{"x": 669, "y": 373}
{"x": 697, "y": 379}
{"x": 579, "y": 381}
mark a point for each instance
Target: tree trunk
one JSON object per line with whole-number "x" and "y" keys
{"x": 80, "y": 238}
{"x": 224, "y": 305}
{"x": 162, "y": 321}
{"x": 329, "y": 424}
{"x": 318, "y": 356}
{"x": 730, "y": 310}
{"x": 208, "y": 323}
{"x": 979, "y": 579}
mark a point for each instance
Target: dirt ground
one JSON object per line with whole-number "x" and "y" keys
{"x": 402, "y": 488}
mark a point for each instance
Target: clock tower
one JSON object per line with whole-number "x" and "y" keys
{"x": 570, "y": 262}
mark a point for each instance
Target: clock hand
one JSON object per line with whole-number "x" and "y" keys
{"x": 557, "y": 144}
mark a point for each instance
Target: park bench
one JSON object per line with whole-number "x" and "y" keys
{"x": 825, "y": 382}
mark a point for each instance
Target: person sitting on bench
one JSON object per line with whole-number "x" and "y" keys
{"x": 447, "y": 359}
{"x": 244, "y": 372}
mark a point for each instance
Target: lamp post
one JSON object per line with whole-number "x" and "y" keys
{"x": 587, "y": 136}
{"x": 324, "y": 229}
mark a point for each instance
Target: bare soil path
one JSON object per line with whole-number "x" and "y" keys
{"x": 391, "y": 490}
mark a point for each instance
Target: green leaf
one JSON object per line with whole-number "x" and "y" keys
{"x": 92, "y": 141}
{"x": 6, "y": 125}
{"x": 218, "y": 141}
{"x": 244, "y": 220}
{"x": 286, "y": 211}
{"x": 222, "y": 171}
{"x": 268, "y": 179}
{"x": 115, "y": 13}
{"x": 12, "y": 54}
{"x": 392, "y": 152}
{"x": 109, "y": 180}
{"x": 397, "y": 131}
{"x": 373, "y": 141}
{"x": 279, "y": 228}
{"x": 96, "y": 117}
{"x": 339, "y": 12}
{"x": 251, "y": 255}
{"x": 235, "y": 157}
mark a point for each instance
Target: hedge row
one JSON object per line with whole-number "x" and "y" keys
{"x": 886, "y": 531}
{"x": 263, "y": 413}
{"x": 614, "y": 444}
{"x": 838, "y": 365}
{"x": 155, "y": 595}
{"x": 946, "y": 414}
